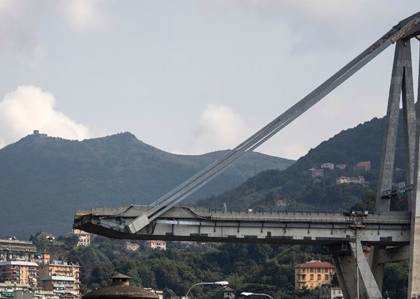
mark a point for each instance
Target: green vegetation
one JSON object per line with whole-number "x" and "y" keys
{"x": 295, "y": 189}
{"x": 248, "y": 267}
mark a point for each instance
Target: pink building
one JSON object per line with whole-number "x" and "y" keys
{"x": 364, "y": 165}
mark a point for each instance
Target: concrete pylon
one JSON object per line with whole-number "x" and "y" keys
{"x": 401, "y": 89}
{"x": 414, "y": 261}
{"x": 354, "y": 273}
{"x": 401, "y": 83}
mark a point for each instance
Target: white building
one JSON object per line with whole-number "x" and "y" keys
{"x": 84, "y": 238}
{"x": 329, "y": 292}
{"x": 341, "y": 166}
{"x": 132, "y": 246}
{"x": 327, "y": 165}
{"x": 350, "y": 180}
{"x": 156, "y": 244}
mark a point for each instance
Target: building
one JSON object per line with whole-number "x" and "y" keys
{"x": 341, "y": 166}
{"x": 20, "y": 273}
{"x": 83, "y": 238}
{"x": 132, "y": 246}
{"x": 42, "y": 294}
{"x": 364, "y": 165}
{"x": 159, "y": 293}
{"x": 37, "y": 133}
{"x": 228, "y": 293}
{"x": 120, "y": 288}
{"x": 35, "y": 294}
{"x": 156, "y": 244}
{"x": 316, "y": 172}
{"x": 313, "y": 274}
{"x": 60, "y": 277}
{"x": 16, "y": 250}
{"x": 327, "y": 165}
{"x": 330, "y": 292}
{"x": 8, "y": 289}
{"x": 61, "y": 286}
{"x": 350, "y": 180}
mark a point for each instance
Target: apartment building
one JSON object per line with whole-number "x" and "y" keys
{"x": 20, "y": 273}
{"x": 16, "y": 250}
{"x": 313, "y": 274}
{"x": 61, "y": 277}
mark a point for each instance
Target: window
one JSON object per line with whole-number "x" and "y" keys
{"x": 312, "y": 277}
{"x": 319, "y": 276}
{"x": 327, "y": 277}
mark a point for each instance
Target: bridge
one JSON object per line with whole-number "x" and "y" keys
{"x": 390, "y": 235}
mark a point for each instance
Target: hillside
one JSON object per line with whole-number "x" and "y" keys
{"x": 296, "y": 189}
{"x": 44, "y": 179}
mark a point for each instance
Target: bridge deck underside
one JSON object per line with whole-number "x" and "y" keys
{"x": 186, "y": 224}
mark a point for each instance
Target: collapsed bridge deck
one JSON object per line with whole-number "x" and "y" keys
{"x": 180, "y": 223}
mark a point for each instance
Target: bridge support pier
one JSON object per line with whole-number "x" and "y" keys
{"x": 354, "y": 273}
{"x": 414, "y": 261}
{"x": 376, "y": 265}
{"x": 402, "y": 84}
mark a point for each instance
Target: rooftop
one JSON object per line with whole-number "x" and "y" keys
{"x": 14, "y": 241}
{"x": 18, "y": 263}
{"x": 120, "y": 292}
{"x": 59, "y": 278}
{"x": 316, "y": 264}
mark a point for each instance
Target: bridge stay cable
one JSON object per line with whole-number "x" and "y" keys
{"x": 403, "y": 30}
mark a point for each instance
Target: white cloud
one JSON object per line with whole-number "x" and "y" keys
{"x": 84, "y": 15}
{"x": 28, "y": 108}
{"x": 219, "y": 128}
{"x": 5, "y": 5}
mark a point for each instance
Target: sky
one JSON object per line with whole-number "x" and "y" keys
{"x": 190, "y": 76}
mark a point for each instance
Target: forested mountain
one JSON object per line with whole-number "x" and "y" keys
{"x": 44, "y": 179}
{"x": 295, "y": 188}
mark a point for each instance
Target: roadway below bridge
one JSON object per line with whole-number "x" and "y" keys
{"x": 190, "y": 224}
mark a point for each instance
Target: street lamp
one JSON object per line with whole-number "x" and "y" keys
{"x": 246, "y": 294}
{"x": 217, "y": 283}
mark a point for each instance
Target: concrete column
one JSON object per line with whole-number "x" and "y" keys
{"x": 409, "y": 114}
{"x": 391, "y": 130}
{"x": 369, "y": 287}
{"x": 376, "y": 266}
{"x": 402, "y": 80}
{"x": 414, "y": 264}
{"x": 346, "y": 269}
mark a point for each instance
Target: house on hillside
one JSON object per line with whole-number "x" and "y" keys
{"x": 132, "y": 246}
{"x": 350, "y": 180}
{"x": 341, "y": 166}
{"x": 316, "y": 172}
{"x": 83, "y": 238}
{"x": 364, "y": 165}
{"x": 156, "y": 244}
{"x": 327, "y": 165}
